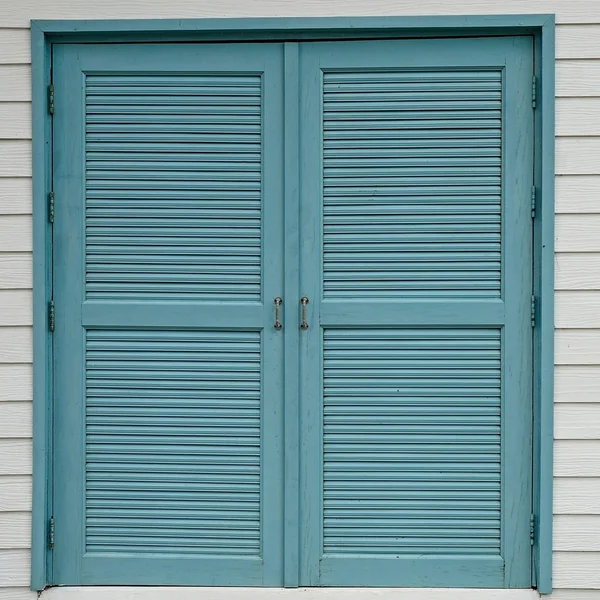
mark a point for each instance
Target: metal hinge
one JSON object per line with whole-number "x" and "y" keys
{"x": 533, "y": 201}
{"x": 51, "y": 315}
{"x": 533, "y": 310}
{"x": 532, "y": 529}
{"x": 534, "y": 91}
{"x": 51, "y": 533}
{"x": 51, "y": 207}
{"x": 51, "y": 99}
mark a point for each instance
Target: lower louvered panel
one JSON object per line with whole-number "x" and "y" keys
{"x": 412, "y": 441}
{"x": 173, "y": 442}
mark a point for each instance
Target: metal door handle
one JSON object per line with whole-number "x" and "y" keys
{"x": 304, "y": 301}
{"x": 278, "y": 303}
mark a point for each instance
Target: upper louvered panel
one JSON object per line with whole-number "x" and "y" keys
{"x": 412, "y": 441}
{"x": 412, "y": 191}
{"x": 173, "y": 442}
{"x": 173, "y": 180}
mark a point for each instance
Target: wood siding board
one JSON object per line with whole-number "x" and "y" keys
{"x": 577, "y": 458}
{"x": 16, "y": 457}
{"x": 578, "y": 194}
{"x": 15, "y": 158}
{"x": 15, "y": 493}
{"x": 15, "y": 233}
{"x": 15, "y": 196}
{"x": 575, "y": 309}
{"x": 15, "y": 83}
{"x": 15, "y": 530}
{"x": 578, "y": 117}
{"x": 577, "y": 496}
{"x": 14, "y": 568}
{"x": 16, "y": 271}
{"x": 577, "y": 570}
{"x": 15, "y": 593}
{"x": 15, "y": 46}
{"x": 578, "y": 233}
{"x": 15, "y": 120}
{"x": 577, "y": 347}
{"x": 577, "y": 384}
{"x": 19, "y": 14}
{"x": 577, "y": 421}
{"x": 577, "y": 41}
{"x": 15, "y": 420}
{"x": 16, "y": 307}
{"x": 577, "y": 78}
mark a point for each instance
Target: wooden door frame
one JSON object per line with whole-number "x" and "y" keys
{"x": 46, "y": 33}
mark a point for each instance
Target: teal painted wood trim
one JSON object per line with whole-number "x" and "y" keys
{"x": 290, "y": 319}
{"x": 293, "y": 28}
{"x": 42, "y": 286}
{"x": 43, "y": 32}
{"x": 417, "y": 571}
{"x": 544, "y": 289}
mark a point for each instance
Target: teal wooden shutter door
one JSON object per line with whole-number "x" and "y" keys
{"x": 167, "y": 170}
{"x": 415, "y": 201}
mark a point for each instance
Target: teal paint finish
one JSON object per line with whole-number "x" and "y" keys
{"x": 543, "y": 335}
{"x": 295, "y": 28}
{"x": 41, "y": 560}
{"x": 44, "y": 33}
{"x": 395, "y": 200}
{"x": 169, "y": 410}
{"x": 292, "y": 526}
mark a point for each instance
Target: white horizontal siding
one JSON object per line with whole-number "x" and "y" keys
{"x": 16, "y": 457}
{"x": 16, "y": 383}
{"x": 15, "y": 419}
{"x": 577, "y": 458}
{"x": 15, "y": 158}
{"x": 577, "y": 570}
{"x": 20, "y": 593}
{"x": 15, "y": 530}
{"x": 578, "y": 194}
{"x": 15, "y": 493}
{"x": 17, "y": 306}
{"x": 574, "y": 309}
{"x": 577, "y": 377}
{"x": 577, "y": 41}
{"x": 576, "y": 496}
{"x": 577, "y": 347}
{"x": 15, "y": 47}
{"x": 15, "y": 566}
{"x": 16, "y": 345}
{"x": 577, "y": 233}
{"x": 573, "y": 271}
{"x": 577, "y": 384}
{"x": 15, "y": 271}
{"x": 580, "y": 533}
{"x": 15, "y": 83}
{"x": 572, "y": 421}
{"x": 18, "y": 14}
{"x": 15, "y": 195}
{"x": 577, "y": 116}
{"x": 16, "y": 120}
{"x": 15, "y": 233}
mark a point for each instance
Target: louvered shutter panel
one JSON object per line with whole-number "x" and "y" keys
{"x": 163, "y": 238}
{"x": 422, "y": 301}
